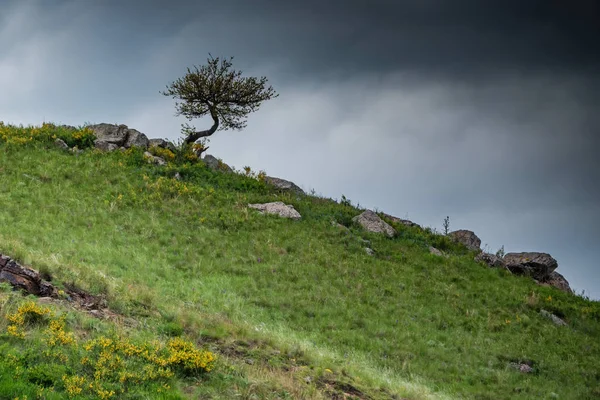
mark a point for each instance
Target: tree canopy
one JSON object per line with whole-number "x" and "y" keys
{"x": 217, "y": 90}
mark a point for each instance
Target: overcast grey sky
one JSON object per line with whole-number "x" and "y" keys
{"x": 484, "y": 111}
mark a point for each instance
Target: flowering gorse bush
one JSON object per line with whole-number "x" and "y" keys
{"x": 102, "y": 367}
{"x": 163, "y": 153}
{"x": 46, "y": 133}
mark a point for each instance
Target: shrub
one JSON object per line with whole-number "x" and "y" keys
{"x": 163, "y": 153}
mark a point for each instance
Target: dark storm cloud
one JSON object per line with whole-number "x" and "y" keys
{"x": 340, "y": 38}
{"x": 468, "y": 37}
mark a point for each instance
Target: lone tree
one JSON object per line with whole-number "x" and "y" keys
{"x": 220, "y": 91}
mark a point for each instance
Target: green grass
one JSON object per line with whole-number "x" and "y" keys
{"x": 281, "y": 300}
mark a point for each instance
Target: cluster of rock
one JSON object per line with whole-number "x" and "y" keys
{"x": 539, "y": 266}
{"x": 31, "y": 281}
{"x": 24, "y": 278}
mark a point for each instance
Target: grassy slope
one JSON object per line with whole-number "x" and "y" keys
{"x": 191, "y": 253}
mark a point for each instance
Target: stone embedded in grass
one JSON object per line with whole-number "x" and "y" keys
{"x": 215, "y": 164}
{"x": 278, "y": 208}
{"x": 435, "y": 251}
{"x": 557, "y": 321}
{"x": 522, "y": 367}
{"x": 372, "y": 223}
{"x": 154, "y": 159}
{"x": 283, "y": 185}
{"x": 61, "y": 144}
{"x": 467, "y": 238}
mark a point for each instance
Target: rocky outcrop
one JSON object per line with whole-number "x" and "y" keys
{"x": 215, "y": 164}
{"x": 105, "y": 146}
{"x": 467, "y": 238}
{"x": 539, "y": 266}
{"x": 490, "y": 260}
{"x": 283, "y": 185}
{"x": 371, "y": 222}
{"x": 31, "y": 282}
{"x": 24, "y": 278}
{"x": 165, "y": 144}
{"x": 558, "y": 281}
{"x": 399, "y": 220}
{"x": 278, "y": 208}
{"x": 110, "y": 137}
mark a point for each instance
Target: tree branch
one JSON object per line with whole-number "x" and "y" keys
{"x": 200, "y": 134}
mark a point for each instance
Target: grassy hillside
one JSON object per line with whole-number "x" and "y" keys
{"x": 290, "y": 309}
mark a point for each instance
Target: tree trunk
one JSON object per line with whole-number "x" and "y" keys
{"x": 200, "y": 134}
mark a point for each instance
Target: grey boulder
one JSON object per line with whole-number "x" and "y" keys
{"x": 467, "y": 238}
{"x": 371, "y": 222}
{"x": 165, "y": 144}
{"x": 154, "y": 159}
{"x": 539, "y": 266}
{"x": 277, "y": 208}
{"x": 558, "y": 281}
{"x": 61, "y": 144}
{"x": 284, "y": 185}
{"x": 400, "y": 220}
{"x": 490, "y": 260}
{"x": 105, "y": 146}
{"x": 215, "y": 164}
{"x": 119, "y": 135}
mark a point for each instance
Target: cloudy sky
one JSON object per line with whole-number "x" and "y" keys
{"x": 485, "y": 112}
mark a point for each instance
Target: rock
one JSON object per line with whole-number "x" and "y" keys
{"x": 467, "y": 238}
{"x": 284, "y": 185}
{"x": 369, "y": 251}
{"x": 136, "y": 138}
{"x": 558, "y": 281}
{"x": 61, "y": 144}
{"x": 557, "y": 321}
{"x": 105, "y": 146}
{"x": 154, "y": 159}
{"x": 490, "y": 260}
{"x": 340, "y": 226}
{"x": 278, "y": 208}
{"x": 400, "y": 220}
{"x": 215, "y": 164}
{"x": 165, "y": 144}
{"x": 24, "y": 278}
{"x": 372, "y": 223}
{"x": 539, "y": 266}
{"x": 522, "y": 367}
{"x": 435, "y": 251}
{"x": 177, "y": 176}
{"x": 118, "y": 135}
